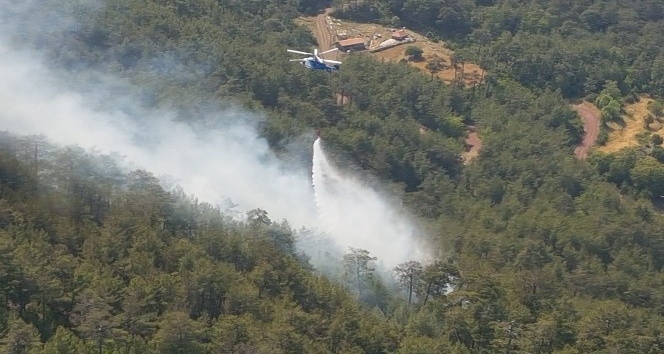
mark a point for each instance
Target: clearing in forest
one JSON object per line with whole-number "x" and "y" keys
{"x": 328, "y": 30}
{"x": 474, "y": 145}
{"x": 625, "y": 136}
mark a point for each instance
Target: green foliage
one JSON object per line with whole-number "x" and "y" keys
{"x": 358, "y": 270}
{"x": 409, "y": 274}
{"x": 602, "y": 137}
{"x": 22, "y": 338}
{"x": 620, "y": 166}
{"x": 609, "y": 102}
{"x": 158, "y": 272}
{"x": 656, "y": 108}
{"x": 548, "y": 254}
{"x": 63, "y": 342}
{"x": 543, "y": 45}
{"x": 434, "y": 65}
{"x": 179, "y": 334}
{"x": 648, "y": 174}
{"x": 415, "y": 53}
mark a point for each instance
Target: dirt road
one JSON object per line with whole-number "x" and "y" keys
{"x": 591, "y": 119}
{"x": 322, "y": 31}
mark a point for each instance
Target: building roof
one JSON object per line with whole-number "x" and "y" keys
{"x": 351, "y": 41}
{"x": 400, "y": 34}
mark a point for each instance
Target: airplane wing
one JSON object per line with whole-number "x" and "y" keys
{"x": 298, "y": 52}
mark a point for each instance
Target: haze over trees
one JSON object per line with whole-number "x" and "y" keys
{"x": 546, "y": 254}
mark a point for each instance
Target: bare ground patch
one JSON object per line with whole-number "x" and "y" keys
{"x": 626, "y": 136}
{"x": 591, "y": 117}
{"x": 326, "y": 30}
{"x": 474, "y": 145}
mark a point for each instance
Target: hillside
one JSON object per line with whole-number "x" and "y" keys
{"x": 626, "y": 136}
{"x": 539, "y": 44}
{"x": 97, "y": 260}
{"x": 327, "y": 31}
{"x": 546, "y": 253}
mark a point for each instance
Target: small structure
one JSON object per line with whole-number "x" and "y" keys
{"x": 342, "y": 34}
{"x": 389, "y": 43}
{"x": 399, "y": 35}
{"x": 351, "y": 44}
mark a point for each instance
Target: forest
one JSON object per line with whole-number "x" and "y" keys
{"x": 570, "y": 46}
{"x": 545, "y": 253}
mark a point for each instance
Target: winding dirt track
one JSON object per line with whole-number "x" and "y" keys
{"x": 322, "y": 32}
{"x": 591, "y": 118}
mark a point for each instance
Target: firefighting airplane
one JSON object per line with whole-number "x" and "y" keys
{"x": 315, "y": 62}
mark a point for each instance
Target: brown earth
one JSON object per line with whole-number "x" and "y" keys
{"x": 475, "y": 144}
{"x": 590, "y": 115}
{"x": 321, "y": 26}
{"x": 471, "y": 74}
{"x": 342, "y": 99}
{"x": 625, "y": 136}
{"x": 322, "y": 31}
{"x": 325, "y": 29}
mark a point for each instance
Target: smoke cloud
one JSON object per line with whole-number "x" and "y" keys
{"x": 218, "y": 158}
{"x": 359, "y": 217}
{"x": 227, "y": 160}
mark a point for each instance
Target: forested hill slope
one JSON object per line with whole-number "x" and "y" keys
{"x": 94, "y": 260}
{"x": 571, "y": 46}
{"x": 196, "y": 57}
{"x": 554, "y": 255}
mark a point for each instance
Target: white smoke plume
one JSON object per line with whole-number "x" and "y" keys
{"x": 226, "y": 162}
{"x": 225, "y": 159}
{"x": 357, "y": 216}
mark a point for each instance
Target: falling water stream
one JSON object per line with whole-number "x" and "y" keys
{"x": 355, "y": 215}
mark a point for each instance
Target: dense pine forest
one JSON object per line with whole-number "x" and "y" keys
{"x": 571, "y": 46}
{"x": 545, "y": 253}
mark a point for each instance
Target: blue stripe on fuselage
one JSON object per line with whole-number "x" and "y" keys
{"x": 311, "y": 64}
